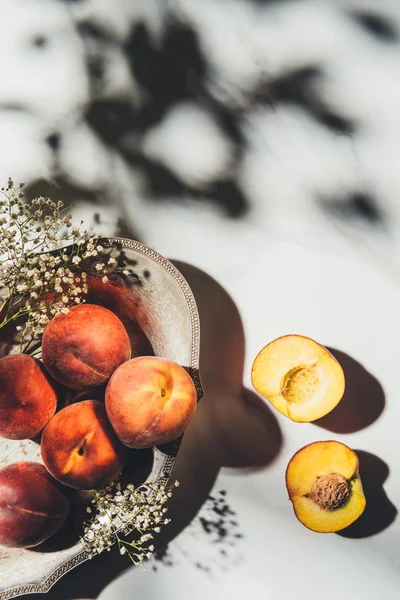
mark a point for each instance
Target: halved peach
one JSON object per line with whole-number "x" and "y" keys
{"x": 324, "y": 486}
{"x": 299, "y": 377}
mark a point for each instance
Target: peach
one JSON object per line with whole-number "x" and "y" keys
{"x": 150, "y": 401}
{"x": 28, "y": 398}
{"x": 32, "y": 505}
{"x": 79, "y": 447}
{"x": 82, "y": 348}
{"x": 299, "y": 377}
{"x": 123, "y": 299}
{"x": 324, "y": 486}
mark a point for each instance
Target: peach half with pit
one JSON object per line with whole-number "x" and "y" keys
{"x": 32, "y": 506}
{"x": 150, "y": 401}
{"x": 81, "y": 349}
{"x": 79, "y": 447}
{"x": 324, "y": 486}
{"x": 299, "y": 377}
{"x": 28, "y": 398}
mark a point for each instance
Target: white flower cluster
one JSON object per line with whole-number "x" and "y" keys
{"x": 42, "y": 259}
{"x": 118, "y": 512}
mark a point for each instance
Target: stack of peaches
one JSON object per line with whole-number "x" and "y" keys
{"x": 148, "y": 401}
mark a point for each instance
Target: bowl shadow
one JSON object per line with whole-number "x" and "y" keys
{"x": 363, "y": 400}
{"x": 379, "y": 512}
{"x": 232, "y": 428}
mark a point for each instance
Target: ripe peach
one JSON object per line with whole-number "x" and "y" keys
{"x": 299, "y": 377}
{"x": 28, "y": 398}
{"x": 79, "y": 447}
{"x": 150, "y": 401}
{"x": 82, "y": 348}
{"x": 123, "y": 299}
{"x": 324, "y": 486}
{"x": 32, "y": 506}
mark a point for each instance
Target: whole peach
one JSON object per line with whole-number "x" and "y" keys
{"x": 32, "y": 506}
{"x": 126, "y": 302}
{"x": 150, "y": 401}
{"x": 28, "y": 398}
{"x": 82, "y": 348}
{"x": 79, "y": 447}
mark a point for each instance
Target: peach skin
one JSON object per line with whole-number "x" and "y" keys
{"x": 32, "y": 505}
{"x": 299, "y": 377}
{"x": 150, "y": 401}
{"x": 324, "y": 486}
{"x": 126, "y": 302}
{"x": 28, "y": 398}
{"x": 79, "y": 447}
{"x": 81, "y": 349}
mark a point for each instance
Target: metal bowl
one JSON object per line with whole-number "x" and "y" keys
{"x": 163, "y": 305}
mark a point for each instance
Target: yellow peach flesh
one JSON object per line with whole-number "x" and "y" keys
{"x": 335, "y": 466}
{"x": 316, "y": 459}
{"x": 324, "y": 521}
{"x": 299, "y": 377}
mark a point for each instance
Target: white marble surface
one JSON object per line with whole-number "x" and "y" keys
{"x": 288, "y": 266}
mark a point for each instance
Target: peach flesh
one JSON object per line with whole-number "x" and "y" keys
{"x": 150, "y": 401}
{"x": 324, "y": 486}
{"x": 28, "y": 398}
{"x": 32, "y": 506}
{"x": 299, "y": 377}
{"x": 79, "y": 447}
{"x": 81, "y": 349}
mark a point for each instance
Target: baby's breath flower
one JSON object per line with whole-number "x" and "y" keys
{"x": 44, "y": 260}
{"x": 123, "y": 509}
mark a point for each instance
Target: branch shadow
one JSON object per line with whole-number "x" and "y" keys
{"x": 363, "y": 401}
{"x": 380, "y": 512}
{"x": 232, "y": 428}
{"x": 378, "y": 26}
